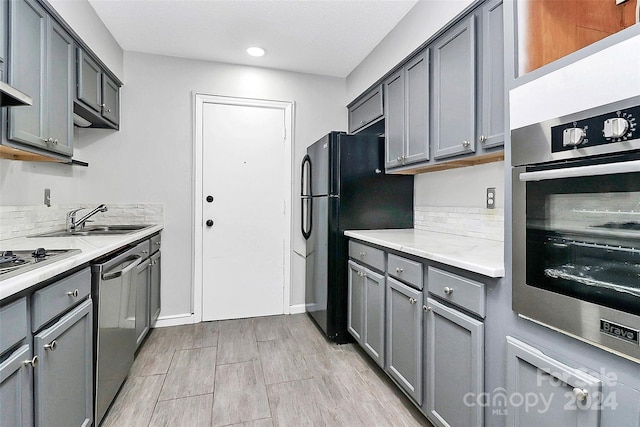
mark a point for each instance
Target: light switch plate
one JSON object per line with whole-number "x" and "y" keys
{"x": 491, "y": 198}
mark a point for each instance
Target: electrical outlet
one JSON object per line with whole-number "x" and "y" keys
{"x": 491, "y": 198}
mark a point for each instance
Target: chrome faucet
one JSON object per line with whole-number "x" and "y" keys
{"x": 74, "y": 224}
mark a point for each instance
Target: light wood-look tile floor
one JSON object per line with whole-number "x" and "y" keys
{"x": 267, "y": 371}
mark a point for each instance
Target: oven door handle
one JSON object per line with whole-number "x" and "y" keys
{"x": 576, "y": 172}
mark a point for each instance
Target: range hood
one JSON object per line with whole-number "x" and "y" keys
{"x": 10, "y": 96}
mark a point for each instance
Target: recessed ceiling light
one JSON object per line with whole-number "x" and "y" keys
{"x": 255, "y": 51}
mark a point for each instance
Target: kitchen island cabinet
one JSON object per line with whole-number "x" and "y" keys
{"x": 41, "y": 65}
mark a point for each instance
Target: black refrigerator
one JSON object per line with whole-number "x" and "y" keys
{"x": 344, "y": 187}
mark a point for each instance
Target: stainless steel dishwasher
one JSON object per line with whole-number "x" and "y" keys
{"x": 114, "y": 292}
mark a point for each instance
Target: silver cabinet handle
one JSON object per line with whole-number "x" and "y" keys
{"x": 52, "y": 345}
{"x": 482, "y": 138}
{"x": 399, "y": 158}
{"x": 109, "y": 110}
{"x": 157, "y": 243}
{"x": 361, "y": 122}
{"x": 448, "y": 290}
{"x": 580, "y": 394}
{"x": 466, "y": 143}
{"x": 145, "y": 251}
{"x": 31, "y": 362}
{"x": 103, "y": 105}
{"x": 425, "y": 308}
{"x": 55, "y": 142}
{"x": 399, "y": 270}
{"x": 363, "y": 253}
{"x": 74, "y": 293}
{"x": 412, "y": 300}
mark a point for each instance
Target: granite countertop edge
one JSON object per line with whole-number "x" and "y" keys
{"x": 91, "y": 247}
{"x": 482, "y": 256}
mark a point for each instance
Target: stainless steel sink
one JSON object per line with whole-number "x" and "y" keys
{"x": 97, "y": 230}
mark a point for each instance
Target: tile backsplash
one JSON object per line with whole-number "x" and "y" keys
{"x": 462, "y": 221}
{"x": 18, "y": 221}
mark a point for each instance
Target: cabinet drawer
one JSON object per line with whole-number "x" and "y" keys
{"x": 458, "y": 290}
{"x": 13, "y": 322}
{"x": 155, "y": 242}
{"x": 367, "y": 255}
{"x": 405, "y": 270}
{"x": 55, "y": 299}
{"x": 366, "y": 110}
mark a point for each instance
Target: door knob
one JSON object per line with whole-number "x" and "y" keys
{"x": 209, "y": 222}
{"x": 209, "y": 199}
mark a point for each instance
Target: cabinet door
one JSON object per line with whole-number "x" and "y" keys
{"x": 64, "y": 376}
{"x": 454, "y": 108}
{"x": 394, "y": 120}
{"x": 366, "y": 110}
{"x": 404, "y": 337}
{"x": 28, "y": 70}
{"x": 16, "y": 390}
{"x": 417, "y": 109}
{"x": 89, "y": 78}
{"x": 141, "y": 278}
{"x": 565, "y": 396}
{"x": 355, "y": 314}
{"x": 492, "y": 128}
{"x": 110, "y": 100}
{"x": 60, "y": 70}
{"x": 454, "y": 366}
{"x": 373, "y": 338}
{"x": 154, "y": 289}
{"x": 4, "y": 11}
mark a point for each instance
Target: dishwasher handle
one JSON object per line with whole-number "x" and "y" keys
{"x": 114, "y": 274}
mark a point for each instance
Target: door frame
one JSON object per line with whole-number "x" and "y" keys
{"x": 199, "y": 99}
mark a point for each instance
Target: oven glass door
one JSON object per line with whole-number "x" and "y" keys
{"x": 583, "y": 234}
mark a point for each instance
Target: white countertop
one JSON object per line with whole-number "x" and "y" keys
{"x": 92, "y": 247}
{"x": 481, "y": 256}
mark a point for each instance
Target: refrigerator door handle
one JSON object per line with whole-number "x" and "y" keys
{"x": 305, "y": 196}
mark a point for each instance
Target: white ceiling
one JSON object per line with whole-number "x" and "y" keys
{"x": 327, "y": 37}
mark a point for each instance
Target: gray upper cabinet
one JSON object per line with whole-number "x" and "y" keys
{"x": 492, "y": 118}
{"x": 89, "y": 81}
{"x": 16, "y": 389}
{"x": 41, "y": 65}
{"x": 454, "y": 105}
{"x": 394, "y": 120}
{"x": 366, "y": 110}
{"x": 404, "y": 337}
{"x": 64, "y": 375}
{"x": 565, "y": 396}
{"x": 98, "y": 96}
{"x": 454, "y": 366}
{"x": 407, "y": 113}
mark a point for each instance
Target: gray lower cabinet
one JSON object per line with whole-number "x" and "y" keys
{"x": 407, "y": 113}
{"x": 16, "y": 388}
{"x": 542, "y": 391}
{"x": 154, "y": 288}
{"x": 41, "y": 65}
{"x": 492, "y": 117}
{"x": 64, "y": 375}
{"x": 454, "y": 97}
{"x": 366, "y": 310}
{"x": 141, "y": 278}
{"x": 404, "y": 337}
{"x": 454, "y": 366}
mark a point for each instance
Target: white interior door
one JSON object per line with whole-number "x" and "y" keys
{"x": 243, "y": 251}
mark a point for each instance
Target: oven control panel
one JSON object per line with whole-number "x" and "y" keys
{"x": 616, "y": 126}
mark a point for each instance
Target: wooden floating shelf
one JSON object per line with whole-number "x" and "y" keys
{"x": 453, "y": 164}
{"x": 15, "y": 154}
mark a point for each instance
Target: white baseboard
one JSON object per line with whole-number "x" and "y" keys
{"x": 175, "y": 320}
{"x": 297, "y": 309}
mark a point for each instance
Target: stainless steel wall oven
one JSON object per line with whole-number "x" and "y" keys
{"x": 576, "y": 225}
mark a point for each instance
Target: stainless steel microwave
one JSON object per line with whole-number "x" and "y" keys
{"x": 576, "y": 225}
